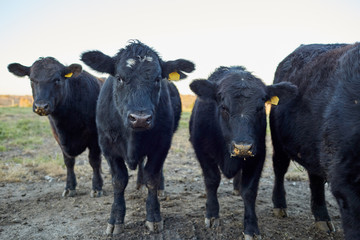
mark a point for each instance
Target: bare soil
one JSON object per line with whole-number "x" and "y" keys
{"x": 34, "y": 209}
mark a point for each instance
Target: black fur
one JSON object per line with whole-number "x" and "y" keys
{"x": 70, "y": 104}
{"x": 137, "y": 86}
{"x": 230, "y": 109}
{"x": 319, "y": 129}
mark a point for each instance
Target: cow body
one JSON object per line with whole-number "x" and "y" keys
{"x": 311, "y": 128}
{"x": 227, "y": 131}
{"x": 137, "y": 113}
{"x": 67, "y": 96}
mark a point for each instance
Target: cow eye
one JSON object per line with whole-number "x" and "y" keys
{"x": 225, "y": 112}
{"x": 57, "y": 81}
{"x": 158, "y": 79}
{"x": 119, "y": 78}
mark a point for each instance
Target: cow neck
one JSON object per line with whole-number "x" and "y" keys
{"x": 67, "y": 107}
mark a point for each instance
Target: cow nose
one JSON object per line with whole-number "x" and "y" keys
{"x": 140, "y": 120}
{"x": 41, "y": 108}
{"x": 44, "y": 106}
{"x": 241, "y": 149}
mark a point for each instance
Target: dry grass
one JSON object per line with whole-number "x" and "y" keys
{"x": 187, "y": 102}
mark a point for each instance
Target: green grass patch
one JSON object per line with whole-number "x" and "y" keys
{"x": 184, "y": 120}
{"x": 38, "y": 160}
{"x": 20, "y": 128}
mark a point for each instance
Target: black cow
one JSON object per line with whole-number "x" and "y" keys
{"x": 320, "y": 130}
{"x": 137, "y": 114}
{"x": 67, "y": 95}
{"x": 227, "y": 131}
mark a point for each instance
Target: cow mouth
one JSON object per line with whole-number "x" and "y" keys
{"x": 41, "y": 112}
{"x": 140, "y": 129}
{"x": 241, "y": 150}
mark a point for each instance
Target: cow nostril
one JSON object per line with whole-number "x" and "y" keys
{"x": 132, "y": 118}
{"x": 148, "y": 119}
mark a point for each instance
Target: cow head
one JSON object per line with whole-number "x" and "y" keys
{"x": 138, "y": 76}
{"x": 48, "y": 82}
{"x": 240, "y": 99}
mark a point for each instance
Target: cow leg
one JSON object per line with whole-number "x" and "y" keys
{"x": 120, "y": 180}
{"x": 70, "y": 177}
{"x": 140, "y": 176}
{"x": 280, "y": 165}
{"x": 152, "y": 176}
{"x": 161, "y": 191}
{"x": 249, "y": 187}
{"x": 212, "y": 179}
{"x": 318, "y": 204}
{"x": 237, "y": 183}
{"x": 95, "y": 162}
{"x": 140, "y": 180}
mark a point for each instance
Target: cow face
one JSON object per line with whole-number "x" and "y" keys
{"x": 240, "y": 99}
{"x": 48, "y": 82}
{"x": 138, "y": 78}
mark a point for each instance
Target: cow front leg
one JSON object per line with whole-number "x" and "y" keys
{"x": 140, "y": 180}
{"x": 249, "y": 186}
{"x": 161, "y": 190}
{"x": 95, "y": 162}
{"x": 153, "y": 217}
{"x": 120, "y": 180}
{"x": 140, "y": 176}
{"x": 280, "y": 165}
{"x": 237, "y": 183}
{"x": 70, "y": 188}
{"x": 318, "y": 204}
{"x": 212, "y": 179}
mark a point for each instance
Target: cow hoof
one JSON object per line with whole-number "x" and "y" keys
{"x": 161, "y": 193}
{"x": 69, "y": 193}
{"x": 140, "y": 187}
{"x": 96, "y": 193}
{"x": 249, "y": 237}
{"x": 114, "y": 229}
{"x": 212, "y": 222}
{"x": 325, "y": 226}
{"x": 155, "y": 226}
{"x": 280, "y": 212}
{"x": 236, "y": 192}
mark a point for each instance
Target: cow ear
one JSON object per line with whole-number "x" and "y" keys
{"x": 204, "y": 89}
{"x": 73, "y": 70}
{"x": 281, "y": 93}
{"x": 99, "y": 61}
{"x": 19, "y": 70}
{"x": 173, "y": 70}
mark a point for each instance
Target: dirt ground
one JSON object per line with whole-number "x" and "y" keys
{"x": 34, "y": 209}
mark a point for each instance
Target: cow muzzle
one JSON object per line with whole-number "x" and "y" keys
{"x": 140, "y": 121}
{"x": 42, "y": 109}
{"x": 241, "y": 150}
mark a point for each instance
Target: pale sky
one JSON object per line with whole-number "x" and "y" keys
{"x": 256, "y": 34}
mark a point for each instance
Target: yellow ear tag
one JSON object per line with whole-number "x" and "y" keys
{"x": 174, "y": 76}
{"x": 274, "y": 100}
{"x": 68, "y": 75}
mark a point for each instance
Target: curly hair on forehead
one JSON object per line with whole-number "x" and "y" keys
{"x": 47, "y": 63}
{"x": 137, "y": 49}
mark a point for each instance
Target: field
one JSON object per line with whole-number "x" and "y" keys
{"x": 32, "y": 178}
